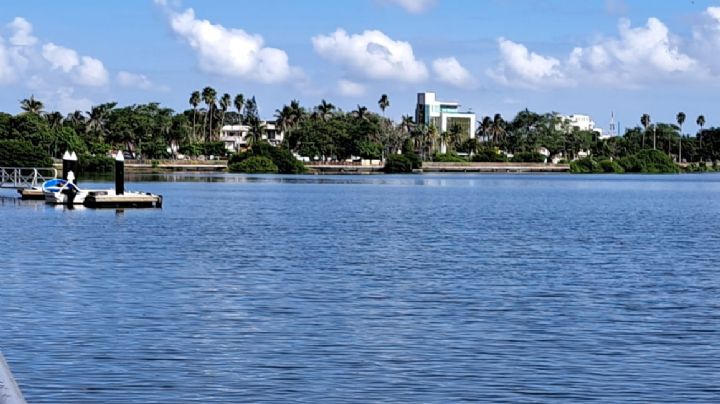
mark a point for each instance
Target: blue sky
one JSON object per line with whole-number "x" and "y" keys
{"x": 591, "y": 56}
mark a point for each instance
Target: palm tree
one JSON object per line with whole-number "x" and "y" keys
{"x": 194, "y": 101}
{"x": 31, "y": 105}
{"x": 645, "y": 121}
{"x": 54, "y": 119}
{"x": 97, "y": 117}
{"x": 209, "y": 95}
{"x": 383, "y": 102}
{"x": 325, "y": 110}
{"x": 680, "y": 120}
{"x": 701, "y": 123}
{"x": 361, "y": 113}
{"x": 285, "y": 118}
{"x": 239, "y": 103}
{"x": 484, "y": 128}
{"x": 225, "y": 102}
{"x": 498, "y": 128}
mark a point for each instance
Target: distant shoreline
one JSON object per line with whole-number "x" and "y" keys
{"x": 141, "y": 166}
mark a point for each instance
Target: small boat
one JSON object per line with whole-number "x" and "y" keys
{"x": 58, "y": 191}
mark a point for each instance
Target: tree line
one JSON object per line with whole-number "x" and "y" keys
{"x": 325, "y": 132}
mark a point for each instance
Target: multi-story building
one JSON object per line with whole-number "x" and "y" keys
{"x": 580, "y": 122}
{"x": 443, "y": 115}
{"x": 236, "y": 137}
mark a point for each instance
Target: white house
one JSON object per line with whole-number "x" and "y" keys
{"x": 443, "y": 114}
{"x": 581, "y": 122}
{"x": 236, "y": 137}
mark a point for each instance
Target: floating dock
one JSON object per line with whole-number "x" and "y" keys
{"x": 109, "y": 199}
{"x": 28, "y": 194}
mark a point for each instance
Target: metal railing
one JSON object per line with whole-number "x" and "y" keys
{"x": 25, "y": 177}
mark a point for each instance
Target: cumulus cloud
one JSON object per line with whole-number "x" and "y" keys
{"x": 22, "y": 32}
{"x": 228, "y": 51}
{"x": 59, "y": 57}
{"x": 706, "y": 38}
{"x": 371, "y": 54}
{"x": 84, "y": 70}
{"x": 8, "y": 72}
{"x": 521, "y": 67}
{"x": 449, "y": 70}
{"x": 635, "y": 56}
{"x": 350, "y": 88}
{"x": 635, "y": 51}
{"x": 127, "y": 79}
{"x": 413, "y": 6}
{"x": 91, "y": 72}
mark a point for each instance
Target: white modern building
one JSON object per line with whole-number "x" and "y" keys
{"x": 236, "y": 137}
{"x": 443, "y": 115}
{"x": 580, "y": 122}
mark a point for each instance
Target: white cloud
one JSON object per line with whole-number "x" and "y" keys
{"x": 91, "y": 72}
{"x": 638, "y": 55}
{"x": 371, "y": 54}
{"x": 22, "y": 32}
{"x": 127, "y": 79}
{"x": 84, "y": 70}
{"x": 67, "y": 101}
{"x": 521, "y": 67}
{"x": 636, "y": 51}
{"x": 350, "y": 88}
{"x": 230, "y": 52}
{"x": 449, "y": 70}
{"x": 60, "y": 57}
{"x": 706, "y": 38}
{"x": 413, "y": 6}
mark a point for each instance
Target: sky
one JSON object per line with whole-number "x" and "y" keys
{"x": 596, "y": 57}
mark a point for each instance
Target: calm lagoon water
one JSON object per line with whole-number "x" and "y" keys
{"x": 369, "y": 289}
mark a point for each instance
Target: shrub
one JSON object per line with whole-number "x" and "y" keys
{"x": 528, "y": 157}
{"x": 585, "y": 166}
{"x": 20, "y": 153}
{"x": 87, "y": 163}
{"x": 254, "y": 165}
{"x": 650, "y": 162}
{"x": 609, "y": 166}
{"x": 489, "y": 156}
{"x": 398, "y": 163}
{"x": 285, "y": 162}
{"x": 448, "y": 158}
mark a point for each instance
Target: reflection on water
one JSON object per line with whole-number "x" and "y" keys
{"x": 417, "y": 288}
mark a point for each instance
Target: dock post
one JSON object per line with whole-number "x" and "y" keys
{"x": 66, "y": 164}
{"x": 9, "y": 391}
{"x": 119, "y": 174}
{"x": 73, "y": 163}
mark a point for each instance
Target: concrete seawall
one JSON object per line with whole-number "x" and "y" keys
{"x": 137, "y": 166}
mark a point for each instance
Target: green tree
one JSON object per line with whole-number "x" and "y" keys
{"x": 325, "y": 110}
{"x": 194, "y": 101}
{"x": 239, "y": 103}
{"x": 209, "y": 96}
{"x": 383, "y": 103}
{"x": 31, "y": 105}
{"x": 645, "y": 121}
{"x": 680, "y": 121}
{"x": 225, "y": 102}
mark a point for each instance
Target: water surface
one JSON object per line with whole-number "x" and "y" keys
{"x": 431, "y": 288}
